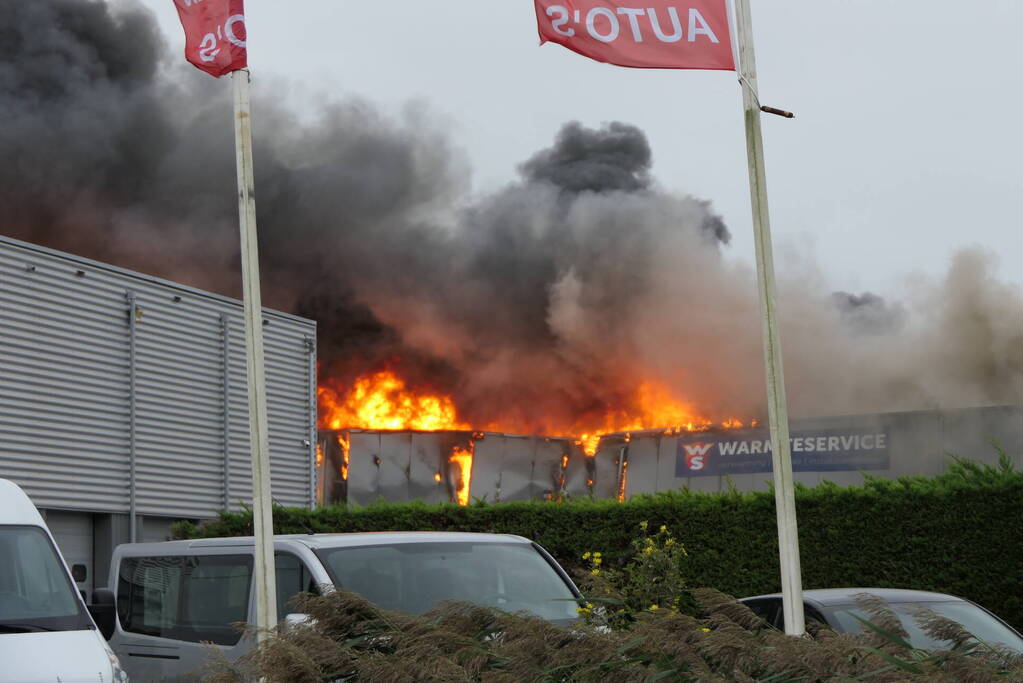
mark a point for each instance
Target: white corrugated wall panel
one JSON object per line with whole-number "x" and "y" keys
{"x": 180, "y": 395}
{"x": 66, "y": 399}
{"x": 63, "y": 383}
{"x": 290, "y": 360}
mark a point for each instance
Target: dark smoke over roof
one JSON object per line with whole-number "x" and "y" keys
{"x": 549, "y": 299}
{"x": 616, "y": 157}
{"x": 868, "y": 313}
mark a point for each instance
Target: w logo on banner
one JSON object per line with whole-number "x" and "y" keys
{"x": 696, "y": 455}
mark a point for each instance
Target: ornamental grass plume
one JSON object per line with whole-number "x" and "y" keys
{"x": 348, "y": 639}
{"x": 639, "y": 622}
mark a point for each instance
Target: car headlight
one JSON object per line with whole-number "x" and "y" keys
{"x": 120, "y": 676}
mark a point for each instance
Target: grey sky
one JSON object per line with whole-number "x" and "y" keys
{"x": 905, "y": 145}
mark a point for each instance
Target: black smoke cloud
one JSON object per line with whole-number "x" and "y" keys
{"x": 868, "y": 313}
{"x": 545, "y": 303}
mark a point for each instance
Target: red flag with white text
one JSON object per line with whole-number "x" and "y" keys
{"x": 651, "y": 34}
{"x": 214, "y": 34}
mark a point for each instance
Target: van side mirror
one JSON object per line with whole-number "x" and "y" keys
{"x": 104, "y": 611}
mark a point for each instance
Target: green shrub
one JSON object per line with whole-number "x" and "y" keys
{"x": 652, "y": 580}
{"x": 957, "y": 533}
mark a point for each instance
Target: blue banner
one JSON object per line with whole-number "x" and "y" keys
{"x": 749, "y": 451}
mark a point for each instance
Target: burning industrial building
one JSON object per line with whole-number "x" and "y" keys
{"x": 582, "y": 299}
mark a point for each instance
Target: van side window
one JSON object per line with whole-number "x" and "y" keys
{"x": 194, "y": 598}
{"x": 292, "y": 578}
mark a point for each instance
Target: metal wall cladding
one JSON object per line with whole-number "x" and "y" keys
{"x": 87, "y": 379}
{"x": 291, "y": 411}
{"x": 510, "y": 467}
{"x": 406, "y": 466}
{"x": 920, "y": 443}
{"x": 397, "y": 466}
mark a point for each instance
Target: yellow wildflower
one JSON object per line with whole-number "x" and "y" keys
{"x": 586, "y": 555}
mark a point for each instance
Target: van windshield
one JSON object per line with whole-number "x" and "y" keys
{"x": 413, "y": 577}
{"x": 35, "y": 591}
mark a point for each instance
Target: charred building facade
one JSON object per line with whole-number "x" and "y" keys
{"x": 364, "y": 466}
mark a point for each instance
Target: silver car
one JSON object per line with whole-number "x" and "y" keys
{"x": 838, "y": 609}
{"x": 172, "y": 597}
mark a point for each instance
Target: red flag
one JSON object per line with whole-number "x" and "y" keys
{"x": 652, "y": 34}
{"x": 214, "y": 34}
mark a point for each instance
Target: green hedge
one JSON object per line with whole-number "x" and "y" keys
{"x": 958, "y": 533}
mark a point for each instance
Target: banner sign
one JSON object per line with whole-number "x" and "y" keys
{"x": 214, "y": 34}
{"x": 745, "y": 452}
{"x": 654, "y": 34}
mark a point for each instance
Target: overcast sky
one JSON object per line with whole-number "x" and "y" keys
{"x": 905, "y": 145}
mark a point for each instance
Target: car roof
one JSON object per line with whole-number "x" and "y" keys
{"x": 827, "y": 597}
{"x": 318, "y": 541}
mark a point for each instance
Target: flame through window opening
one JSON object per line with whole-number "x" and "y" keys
{"x": 382, "y": 400}
{"x": 345, "y": 445}
{"x": 461, "y": 458}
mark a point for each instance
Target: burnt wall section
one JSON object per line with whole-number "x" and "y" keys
{"x": 365, "y": 466}
{"x": 914, "y": 444}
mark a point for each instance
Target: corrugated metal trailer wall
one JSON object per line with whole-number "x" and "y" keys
{"x": 111, "y": 378}
{"x": 363, "y": 466}
{"x": 837, "y": 449}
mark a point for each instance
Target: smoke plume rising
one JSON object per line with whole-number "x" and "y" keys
{"x": 546, "y": 302}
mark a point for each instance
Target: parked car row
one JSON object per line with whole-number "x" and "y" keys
{"x": 167, "y": 599}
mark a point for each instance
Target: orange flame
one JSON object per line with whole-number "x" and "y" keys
{"x": 342, "y": 441}
{"x": 589, "y": 443}
{"x": 462, "y": 459}
{"x": 623, "y": 481}
{"x": 382, "y": 401}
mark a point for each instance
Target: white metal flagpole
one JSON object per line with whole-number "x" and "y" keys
{"x": 777, "y": 411}
{"x": 262, "y": 503}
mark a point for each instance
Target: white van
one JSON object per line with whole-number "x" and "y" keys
{"x": 174, "y": 596}
{"x": 46, "y": 633}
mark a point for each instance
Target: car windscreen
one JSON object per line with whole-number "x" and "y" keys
{"x": 36, "y": 593}
{"x": 414, "y": 577}
{"x": 977, "y": 621}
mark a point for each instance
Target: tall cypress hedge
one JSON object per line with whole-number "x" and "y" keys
{"x": 959, "y": 533}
